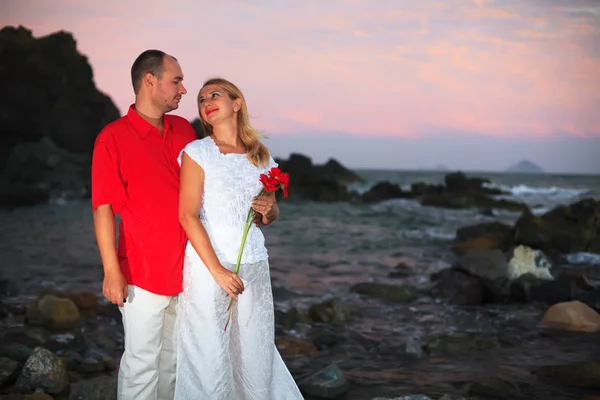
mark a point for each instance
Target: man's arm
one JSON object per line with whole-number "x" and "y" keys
{"x": 108, "y": 198}
{"x": 114, "y": 287}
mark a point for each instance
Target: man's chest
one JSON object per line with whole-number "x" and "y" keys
{"x": 151, "y": 159}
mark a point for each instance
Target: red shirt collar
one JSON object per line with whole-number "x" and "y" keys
{"x": 141, "y": 125}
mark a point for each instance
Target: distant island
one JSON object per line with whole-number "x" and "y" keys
{"x": 525, "y": 167}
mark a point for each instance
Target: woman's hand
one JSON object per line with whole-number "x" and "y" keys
{"x": 229, "y": 281}
{"x": 266, "y": 209}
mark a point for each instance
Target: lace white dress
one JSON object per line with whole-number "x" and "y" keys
{"x": 242, "y": 363}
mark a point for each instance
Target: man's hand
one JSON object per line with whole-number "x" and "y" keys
{"x": 266, "y": 209}
{"x": 114, "y": 288}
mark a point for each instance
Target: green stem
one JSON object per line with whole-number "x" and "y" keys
{"x": 249, "y": 221}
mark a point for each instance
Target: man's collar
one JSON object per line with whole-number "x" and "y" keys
{"x": 141, "y": 125}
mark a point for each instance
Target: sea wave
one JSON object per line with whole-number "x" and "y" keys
{"x": 583, "y": 258}
{"x": 525, "y": 190}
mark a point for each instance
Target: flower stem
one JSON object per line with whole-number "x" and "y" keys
{"x": 249, "y": 221}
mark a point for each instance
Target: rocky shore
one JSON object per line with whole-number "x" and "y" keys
{"x": 541, "y": 327}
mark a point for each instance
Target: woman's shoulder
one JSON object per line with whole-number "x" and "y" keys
{"x": 196, "y": 150}
{"x": 198, "y": 144}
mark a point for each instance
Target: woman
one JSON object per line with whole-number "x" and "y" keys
{"x": 219, "y": 180}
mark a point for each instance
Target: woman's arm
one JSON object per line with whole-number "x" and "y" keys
{"x": 190, "y": 200}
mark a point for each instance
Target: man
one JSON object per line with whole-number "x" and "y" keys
{"x": 135, "y": 174}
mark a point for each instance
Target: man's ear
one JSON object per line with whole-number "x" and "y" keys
{"x": 149, "y": 80}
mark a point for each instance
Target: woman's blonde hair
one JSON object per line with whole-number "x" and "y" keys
{"x": 257, "y": 153}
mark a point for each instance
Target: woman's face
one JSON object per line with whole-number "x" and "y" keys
{"x": 215, "y": 105}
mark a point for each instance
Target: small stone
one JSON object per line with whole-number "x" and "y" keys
{"x": 44, "y": 370}
{"x": 326, "y": 383}
{"x": 9, "y": 370}
{"x": 58, "y": 314}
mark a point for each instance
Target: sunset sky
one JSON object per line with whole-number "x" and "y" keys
{"x": 471, "y": 84}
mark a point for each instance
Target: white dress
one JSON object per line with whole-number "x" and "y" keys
{"x": 242, "y": 363}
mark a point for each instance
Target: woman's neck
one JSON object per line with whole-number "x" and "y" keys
{"x": 227, "y": 133}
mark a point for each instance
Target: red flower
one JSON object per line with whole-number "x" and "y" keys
{"x": 268, "y": 183}
{"x": 280, "y": 179}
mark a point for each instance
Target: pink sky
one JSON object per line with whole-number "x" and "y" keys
{"x": 409, "y": 69}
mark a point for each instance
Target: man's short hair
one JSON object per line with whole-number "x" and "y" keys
{"x": 150, "y": 61}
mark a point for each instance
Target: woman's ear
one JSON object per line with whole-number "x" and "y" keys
{"x": 237, "y": 105}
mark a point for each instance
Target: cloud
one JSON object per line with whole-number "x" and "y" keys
{"x": 389, "y": 68}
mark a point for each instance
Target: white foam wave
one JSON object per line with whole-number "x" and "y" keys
{"x": 583, "y": 258}
{"x": 524, "y": 190}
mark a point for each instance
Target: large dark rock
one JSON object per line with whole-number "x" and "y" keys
{"x": 460, "y": 191}
{"x": 50, "y": 114}
{"x": 565, "y": 229}
{"x": 384, "y": 190}
{"x": 325, "y": 183}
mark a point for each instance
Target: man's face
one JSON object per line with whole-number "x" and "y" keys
{"x": 169, "y": 88}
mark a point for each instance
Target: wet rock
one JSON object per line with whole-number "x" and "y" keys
{"x": 9, "y": 370}
{"x": 325, "y": 336}
{"x": 470, "y": 200}
{"x": 101, "y": 388}
{"x": 384, "y": 190}
{"x": 492, "y": 229}
{"x": 486, "y": 264}
{"x": 292, "y": 347}
{"x": 486, "y": 242}
{"x": 32, "y": 396}
{"x": 592, "y": 299}
{"x": 409, "y": 397}
{"x": 529, "y": 288}
{"x": 584, "y": 375}
{"x": 392, "y": 293}
{"x": 401, "y": 270}
{"x": 565, "y": 229}
{"x": 572, "y": 316}
{"x": 85, "y": 301}
{"x": 332, "y": 311}
{"x": 325, "y": 183}
{"x": 448, "y": 345}
{"x": 526, "y": 260}
{"x": 326, "y": 383}
{"x": 413, "y": 348}
{"x": 458, "y": 287}
{"x": 9, "y": 287}
{"x": 91, "y": 365}
{"x": 16, "y": 352}
{"x": 495, "y": 388}
{"x": 44, "y": 370}
{"x": 288, "y": 320}
{"x": 57, "y": 313}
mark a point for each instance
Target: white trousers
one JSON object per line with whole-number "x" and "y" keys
{"x": 147, "y": 370}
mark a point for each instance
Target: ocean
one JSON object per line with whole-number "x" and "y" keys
{"x": 318, "y": 251}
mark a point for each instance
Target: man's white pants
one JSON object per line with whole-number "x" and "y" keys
{"x": 147, "y": 370}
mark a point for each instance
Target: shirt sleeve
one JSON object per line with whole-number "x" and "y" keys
{"x": 107, "y": 185}
{"x": 194, "y": 151}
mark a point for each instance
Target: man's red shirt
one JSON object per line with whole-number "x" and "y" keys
{"x": 135, "y": 170}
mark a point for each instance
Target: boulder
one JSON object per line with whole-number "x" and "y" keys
{"x": 572, "y": 316}
{"x": 565, "y": 229}
{"x": 50, "y": 114}
{"x": 324, "y": 183}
